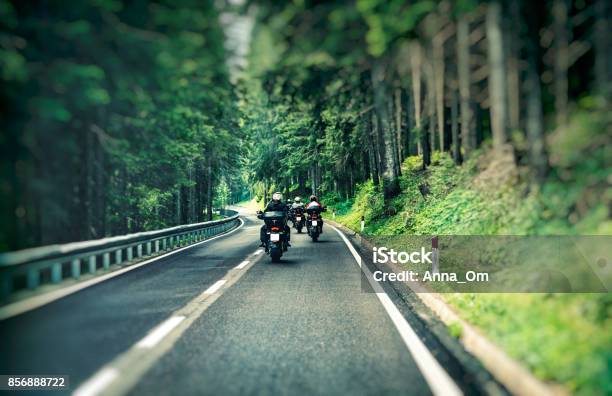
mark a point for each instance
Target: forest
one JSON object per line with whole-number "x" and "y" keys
{"x": 117, "y": 117}
{"x": 124, "y": 117}
{"x": 423, "y": 117}
{"x": 363, "y": 93}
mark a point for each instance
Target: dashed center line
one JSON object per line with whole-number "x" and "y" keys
{"x": 216, "y": 286}
{"x": 95, "y": 384}
{"x": 122, "y": 373}
{"x": 243, "y": 264}
{"x": 156, "y": 335}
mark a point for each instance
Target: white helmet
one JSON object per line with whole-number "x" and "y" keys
{"x": 298, "y": 199}
{"x": 277, "y": 196}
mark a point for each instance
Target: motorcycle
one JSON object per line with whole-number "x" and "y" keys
{"x": 298, "y": 219}
{"x": 314, "y": 223}
{"x": 276, "y": 241}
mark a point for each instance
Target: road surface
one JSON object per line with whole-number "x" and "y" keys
{"x": 220, "y": 318}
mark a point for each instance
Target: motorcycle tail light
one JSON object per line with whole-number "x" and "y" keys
{"x": 275, "y": 229}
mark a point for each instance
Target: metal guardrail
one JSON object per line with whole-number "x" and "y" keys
{"x": 29, "y": 268}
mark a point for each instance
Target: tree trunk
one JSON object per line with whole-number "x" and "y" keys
{"x": 533, "y": 91}
{"x": 178, "y": 205}
{"x": 209, "y": 188}
{"x": 393, "y": 135}
{"x": 424, "y": 139}
{"x": 389, "y": 168}
{"x": 409, "y": 147}
{"x": 438, "y": 78}
{"x": 372, "y": 150}
{"x": 497, "y": 74}
{"x": 559, "y": 12}
{"x": 416, "y": 62}
{"x": 514, "y": 50}
{"x": 398, "y": 123}
{"x": 468, "y": 134}
{"x": 456, "y": 144}
{"x": 431, "y": 104}
{"x": 603, "y": 52}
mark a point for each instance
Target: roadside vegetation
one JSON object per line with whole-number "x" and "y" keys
{"x": 564, "y": 338}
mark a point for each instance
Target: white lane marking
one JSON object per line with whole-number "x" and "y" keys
{"x": 242, "y": 265}
{"x": 437, "y": 378}
{"x": 258, "y": 252}
{"x": 31, "y": 303}
{"x": 135, "y": 362}
{"x": 159, "y": 332}
{"x": 216, "y": 286}
{"x": 97, "y": 383}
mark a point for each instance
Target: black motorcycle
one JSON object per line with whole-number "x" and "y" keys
{"x": 276, "y": 241}
{"x": 314, "y": 223}
{"x": 299, "y": 219}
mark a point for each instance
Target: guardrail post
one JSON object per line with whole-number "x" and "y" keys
{"x": 75, "y": 268}
{"x": 33, "y": 278}
{"x": 106, "y": 260}
{"x": 91, "y": 264}
{"x": 56, "y": 273}
{"x": 148, "y": 248}
{"x": 156, "y": 245}
{"x": 118, "y": 258}
{"x": 435, "y": 263}
{"x": 164, "y": 243}
{"x": 129, "y": 253}
{"x": 139, "y": 250}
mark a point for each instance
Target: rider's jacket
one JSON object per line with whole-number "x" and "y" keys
{"x": 313, "y": 205}
{"x": 297, "y": 205}
{"x": 276, "y": 206}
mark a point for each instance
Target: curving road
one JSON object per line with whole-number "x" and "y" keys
{"x": 219, "y": 318}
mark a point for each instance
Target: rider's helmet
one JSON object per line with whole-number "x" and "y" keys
{"x": 297, "y": 200}
{"x": 313, "y": 198}
{"x": 277, "y": 196}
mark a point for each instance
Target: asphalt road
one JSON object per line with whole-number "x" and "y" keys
{"x": 302, "y": 326}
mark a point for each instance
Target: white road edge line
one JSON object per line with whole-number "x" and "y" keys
{"x": 19, "y": 307}
{"x": 216, "y": 286}
{"x": 159, "y": 332}
{"x": 437, "y": 378}
{"x": 95, "y": 384}
{"x": 242, "y": 265}
{"x": 257, "y": 252}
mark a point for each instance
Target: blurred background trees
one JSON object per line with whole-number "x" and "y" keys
{"x": 375, "y": 83}
{"x": 122, "y": 116}
{"x": 117, "y": 117}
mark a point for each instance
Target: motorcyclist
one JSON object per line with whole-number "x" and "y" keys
{"x": 314, "y": 204}
{"x": 275, "y": 205}
{"x": 297, "y": 204}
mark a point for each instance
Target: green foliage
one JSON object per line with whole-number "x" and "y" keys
{"x": 116, "y": 113}
{"x": 561, "y": 337}
{"x": 455, "y": 329}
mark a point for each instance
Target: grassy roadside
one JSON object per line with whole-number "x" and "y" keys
{"x": 566, "y": 338}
